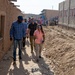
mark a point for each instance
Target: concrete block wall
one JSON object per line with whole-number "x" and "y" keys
{"x": 66, "y": 6}
{"x": 10, "y": 13}
{"x": 72, "y": 13}
{"x": 61, "y": 12}
{"x": 69, "y": 13}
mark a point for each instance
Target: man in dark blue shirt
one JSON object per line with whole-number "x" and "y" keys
{"x": 17, "y": 34}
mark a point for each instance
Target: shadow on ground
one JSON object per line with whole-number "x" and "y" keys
{"x": 26, "y": 66}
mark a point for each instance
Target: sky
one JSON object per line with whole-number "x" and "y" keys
{"x": 36, "y": 6}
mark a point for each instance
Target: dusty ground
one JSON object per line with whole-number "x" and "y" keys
{"x": 26, "y": 66}
{"x": 60, "y": 50}
{"x": 58, "y": 56}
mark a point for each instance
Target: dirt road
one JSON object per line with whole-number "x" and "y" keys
{"x": 58, "y": 56}
{"x": 26, "y": 66}
{"x": 60, "y": 50}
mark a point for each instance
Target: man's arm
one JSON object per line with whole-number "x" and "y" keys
{"x": 11, "y": 33}
{"x": 25, "y": 29}
{"x": 29, "y": 28}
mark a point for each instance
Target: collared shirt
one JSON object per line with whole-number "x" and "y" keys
{"x": 17, "y": 30}
{"x": 39, "y": 36}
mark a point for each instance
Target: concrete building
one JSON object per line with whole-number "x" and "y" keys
{"x": 67, "y": 13}
{"x": 72, "y": 13}
{"x": 61, "y": 12}
{"x": 49, "y": 13}
{"x": 8, "y": 13}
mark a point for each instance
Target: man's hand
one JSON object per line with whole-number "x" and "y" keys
{"x": 23, "y": 38}
{"x": 43, "y": 41}
{"x": 10, "y": 39}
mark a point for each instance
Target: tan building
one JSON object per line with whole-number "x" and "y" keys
{"x": 8, "y": 13}
{"x": 49, "y": 13}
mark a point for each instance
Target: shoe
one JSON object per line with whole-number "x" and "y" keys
{"x": 20, "y": 58}
{"x": 40, "y": 57}
{"x": 37, "y": 60}
{"x": 14, "y": 59}
{"x": 23, "y": 48}
{"x": 14, "y": 62}
{"x": 31, "y": 51}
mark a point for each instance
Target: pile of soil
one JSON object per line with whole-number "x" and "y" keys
{"x": 59, "y": 48}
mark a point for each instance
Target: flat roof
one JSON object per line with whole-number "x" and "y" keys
{"x": 14, "y": 0}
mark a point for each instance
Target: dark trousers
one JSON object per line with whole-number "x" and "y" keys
{"x": 32, "y": 42}
{"x": 24, "y": 42}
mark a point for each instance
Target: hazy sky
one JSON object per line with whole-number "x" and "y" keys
{"x": 36, "y": 6}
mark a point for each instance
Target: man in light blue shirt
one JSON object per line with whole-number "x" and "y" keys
{"x": 17, "y": 34}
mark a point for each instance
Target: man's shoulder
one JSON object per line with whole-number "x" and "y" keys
{"x": 15, "y": 22}
{"x": 25, "y": 23}
{"x": 30, "y": 24}
{"x": 35, "y": 24}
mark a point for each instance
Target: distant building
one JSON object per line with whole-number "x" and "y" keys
{"x": 32, "y": 16}
{"x": 47, "y": 14}
{"x": 67, "y": 13}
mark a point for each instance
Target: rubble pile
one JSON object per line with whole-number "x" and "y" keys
{"x": 60, "y": 50}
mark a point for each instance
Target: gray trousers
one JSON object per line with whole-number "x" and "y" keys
{"x": 38, "y": 49}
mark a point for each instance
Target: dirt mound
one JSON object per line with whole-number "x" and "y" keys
{"x": 60, "y": 50}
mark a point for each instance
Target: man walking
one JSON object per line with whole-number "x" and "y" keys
{"x": 17, "y": 34}
{"x": 32, "y": 27}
